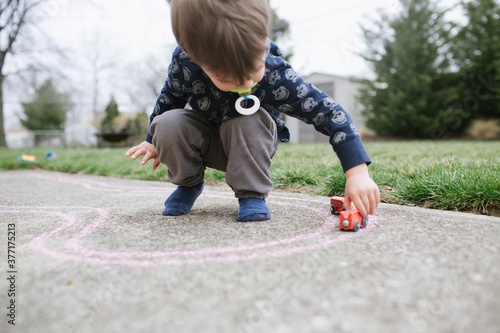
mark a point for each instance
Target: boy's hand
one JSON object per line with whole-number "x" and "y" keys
{"x": 361, "y": 190}
{"x": 147, "y": 150}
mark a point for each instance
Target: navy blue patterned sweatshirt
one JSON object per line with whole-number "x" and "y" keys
{"x": 280, "y": 91}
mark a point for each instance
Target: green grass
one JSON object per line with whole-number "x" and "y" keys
{"x": 451, "y": 175}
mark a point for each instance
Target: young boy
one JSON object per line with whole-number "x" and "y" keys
{"x": 223, "y": 51}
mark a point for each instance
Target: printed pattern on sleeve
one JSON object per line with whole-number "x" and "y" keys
{"x": 287, "y": 92}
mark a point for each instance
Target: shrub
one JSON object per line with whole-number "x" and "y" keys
{"x": 484, "y": 129}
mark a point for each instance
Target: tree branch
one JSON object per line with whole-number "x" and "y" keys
{"x": 7, "y": 4}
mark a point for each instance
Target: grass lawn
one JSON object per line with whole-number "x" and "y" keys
{"x": 451, "y": 175}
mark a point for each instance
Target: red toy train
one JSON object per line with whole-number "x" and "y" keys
{"x": 349, "y": 219}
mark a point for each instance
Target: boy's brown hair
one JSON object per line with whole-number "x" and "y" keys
{"x": 228, "y": 37}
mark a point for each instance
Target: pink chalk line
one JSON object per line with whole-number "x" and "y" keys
{"x": 219, "y": 255}
{"x": 82, "y": 254}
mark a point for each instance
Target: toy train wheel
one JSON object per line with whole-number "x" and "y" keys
{"x": 355, "y": 226}
{"x": 333, "y": 209}
{"x": 365, "y": 221}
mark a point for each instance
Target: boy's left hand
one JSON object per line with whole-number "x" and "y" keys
{"x": 361, "y": 190}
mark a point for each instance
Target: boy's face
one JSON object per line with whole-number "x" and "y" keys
{"x": 227, "y": 84}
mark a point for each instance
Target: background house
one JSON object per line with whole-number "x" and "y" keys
{"x": 344, "y": 90}
{"x": 19, "y": 137}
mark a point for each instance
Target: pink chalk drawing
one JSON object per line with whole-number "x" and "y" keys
{"x": 318, "y": 239}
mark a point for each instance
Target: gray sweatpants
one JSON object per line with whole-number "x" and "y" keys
{"x": 242, "y": 147}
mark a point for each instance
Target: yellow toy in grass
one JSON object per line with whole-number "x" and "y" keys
{"x": 27, "y": 158}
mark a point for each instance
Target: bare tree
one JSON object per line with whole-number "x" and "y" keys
{"x": 14, "y": 15}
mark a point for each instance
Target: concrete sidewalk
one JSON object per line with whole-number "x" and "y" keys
{"x": 94, "y": 254}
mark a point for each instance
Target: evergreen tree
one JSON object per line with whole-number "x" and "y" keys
{"x": 477, "y": 53}
{"x": 111, "y": 113}
{"x": 412, "y": 89}
{"x": 47, "y": 110}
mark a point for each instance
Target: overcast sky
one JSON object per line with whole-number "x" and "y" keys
{"x": 324, "y": 34}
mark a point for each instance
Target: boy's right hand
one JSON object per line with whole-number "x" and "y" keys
{"x": 147, "y": 150}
